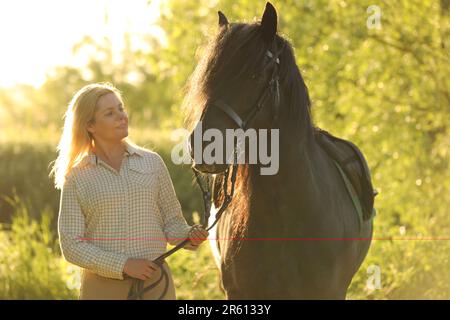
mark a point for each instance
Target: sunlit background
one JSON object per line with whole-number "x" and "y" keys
{"x": 385, "y": 87}
{"x": 38, "y": 35}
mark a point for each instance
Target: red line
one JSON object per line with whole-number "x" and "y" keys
{"x": 277, "y": 239}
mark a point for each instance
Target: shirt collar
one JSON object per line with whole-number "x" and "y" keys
{"x": 133, "y": 150}
{"x": 91, "y": 158}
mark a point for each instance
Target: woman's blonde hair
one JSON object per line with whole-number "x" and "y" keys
{"x": 76, "y": 140}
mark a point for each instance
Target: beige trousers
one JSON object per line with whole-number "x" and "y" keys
{"x": 95, "y": 287}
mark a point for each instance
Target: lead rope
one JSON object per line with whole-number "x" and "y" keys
{"x": 137, "y": 289}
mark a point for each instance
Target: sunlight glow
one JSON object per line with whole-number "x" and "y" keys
{"x": 36, "y": 35}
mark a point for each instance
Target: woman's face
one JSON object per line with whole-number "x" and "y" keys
{"x": 110, "y": 119}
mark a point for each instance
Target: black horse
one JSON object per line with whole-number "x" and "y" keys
{"x": 288, "y": 235}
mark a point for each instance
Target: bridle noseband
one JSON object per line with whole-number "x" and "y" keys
{"x": 273, "y": 87}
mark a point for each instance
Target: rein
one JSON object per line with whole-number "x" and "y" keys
{"x": 137, "y": 289}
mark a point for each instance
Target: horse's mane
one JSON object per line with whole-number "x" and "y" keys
{"x": 231, "y": 56}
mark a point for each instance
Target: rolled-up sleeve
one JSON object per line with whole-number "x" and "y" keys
{"x": 176, "y": 228}
{"x": 75, "y": 249}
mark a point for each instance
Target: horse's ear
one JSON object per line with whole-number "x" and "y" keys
{"x": 269, "y": 23}
{"x": 223, "y": 21}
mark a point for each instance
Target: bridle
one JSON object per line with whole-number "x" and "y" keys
{"x": 272, "y": 87}
{"x": 137, "y": 289}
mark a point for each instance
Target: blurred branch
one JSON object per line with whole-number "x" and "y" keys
{"x": 396, "y": 46}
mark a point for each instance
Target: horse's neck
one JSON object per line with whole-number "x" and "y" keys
{"x": 296, "y": 165}
{"x": 293, "y": 188}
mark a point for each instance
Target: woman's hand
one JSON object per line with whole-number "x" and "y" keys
{"x": 140, "y": 268}
{"x": 197, "y": 235}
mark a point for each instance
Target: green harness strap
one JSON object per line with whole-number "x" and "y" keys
{"x": 353, "y": 195}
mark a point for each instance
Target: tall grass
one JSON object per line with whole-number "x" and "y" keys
{"x": 30, "y": 266}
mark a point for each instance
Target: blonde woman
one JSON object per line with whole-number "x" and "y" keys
{"x": 118, "y": 207}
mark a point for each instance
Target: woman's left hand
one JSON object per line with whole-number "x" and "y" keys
{"x": 197, "y": 235}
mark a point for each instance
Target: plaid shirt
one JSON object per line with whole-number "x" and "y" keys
{"x": 106, "y": 217}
